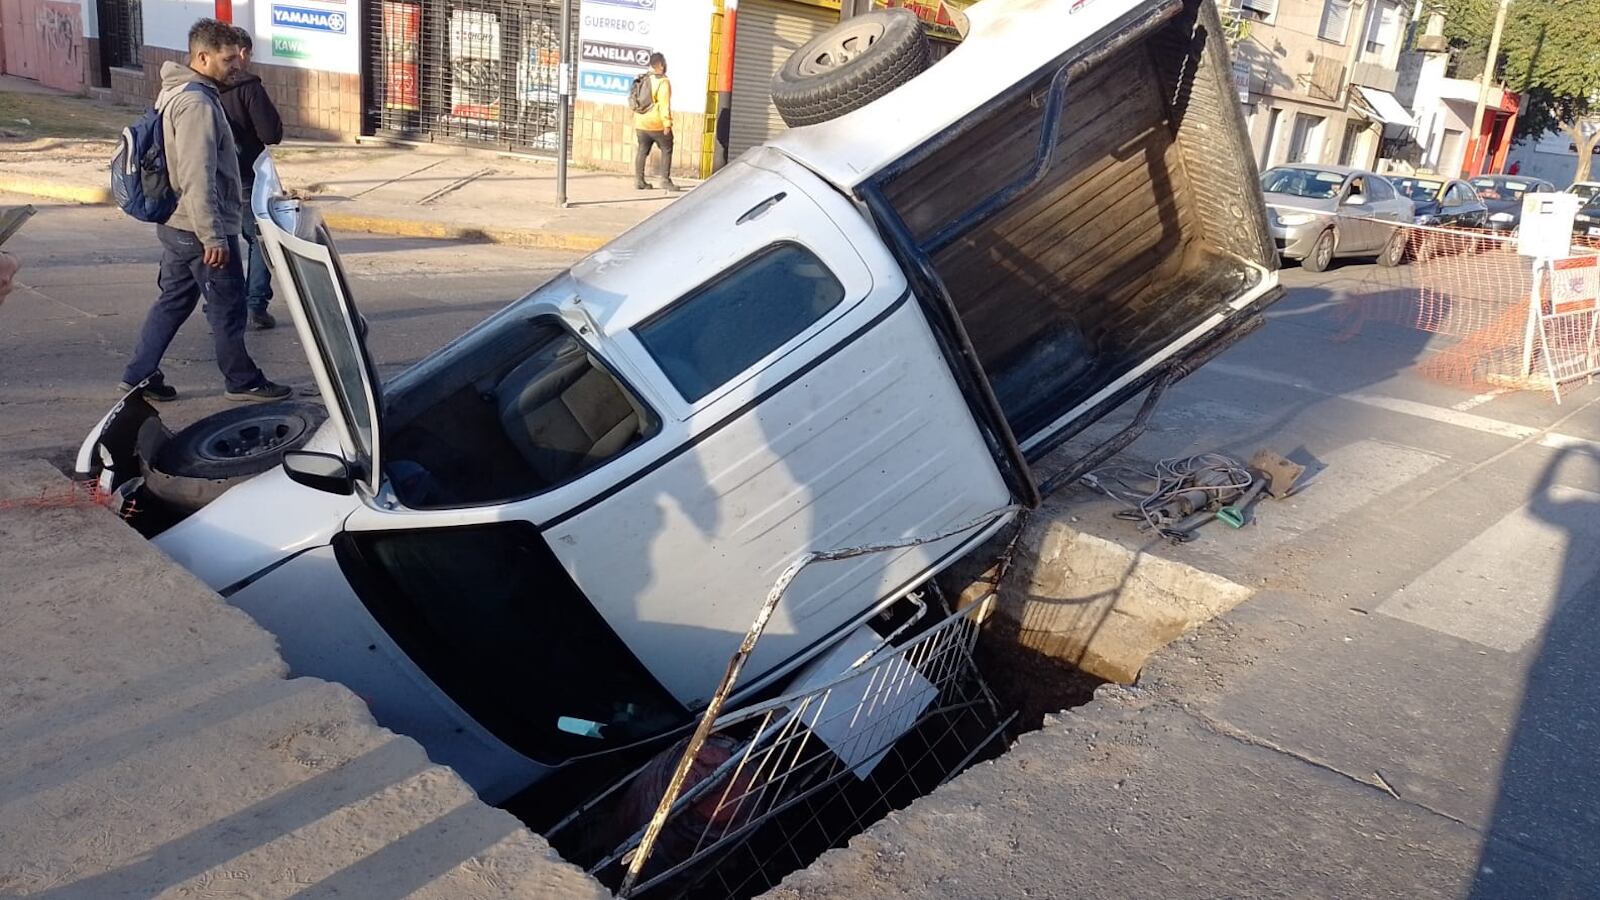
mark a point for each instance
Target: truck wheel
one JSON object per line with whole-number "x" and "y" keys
{"x": 199, "y": 463}
{"x": 1321, "y": 255}
{"x": 850, "y": 65}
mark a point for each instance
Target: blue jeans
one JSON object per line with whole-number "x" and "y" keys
{"x": 184, "y": 277}
{"x": 257, "y": 277}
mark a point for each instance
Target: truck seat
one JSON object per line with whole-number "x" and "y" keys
{"x": 562, "y": 412}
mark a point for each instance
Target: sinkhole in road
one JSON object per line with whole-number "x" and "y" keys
{"x": 783, "y": 779}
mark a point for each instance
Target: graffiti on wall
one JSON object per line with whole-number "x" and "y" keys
{"x": 59, "y": 30}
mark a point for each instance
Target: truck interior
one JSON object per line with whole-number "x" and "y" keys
{"x": 1111, "y": 220}
{"x": 514, "y": 408}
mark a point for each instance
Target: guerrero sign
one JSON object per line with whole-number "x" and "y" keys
{"x": 616, "y": 38}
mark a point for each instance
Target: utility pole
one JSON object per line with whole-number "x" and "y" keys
{"x": 1477, "y": 144}
{"x": 564, "y": 102}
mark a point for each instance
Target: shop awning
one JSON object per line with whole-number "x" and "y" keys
{"x": 1385, "y": 108}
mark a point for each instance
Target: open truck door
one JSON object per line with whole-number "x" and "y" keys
{"x": 315, "y": 290}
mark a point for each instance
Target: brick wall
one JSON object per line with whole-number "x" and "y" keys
{"x": 603, "y": 138}
{"x": 324, "y": 105}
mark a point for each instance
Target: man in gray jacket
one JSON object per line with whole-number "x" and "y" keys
{"x": 199, "y": 244}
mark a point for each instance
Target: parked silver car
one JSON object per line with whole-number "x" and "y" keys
{"x": 1319, "y": 212}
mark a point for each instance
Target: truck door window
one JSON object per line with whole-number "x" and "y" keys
{"x": 708, "y": 337}
{"x": 513, "y": 409}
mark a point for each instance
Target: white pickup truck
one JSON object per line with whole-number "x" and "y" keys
{"x": 543, "y": 541}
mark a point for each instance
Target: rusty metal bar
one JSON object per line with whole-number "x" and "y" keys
{"x": 736, "y": 663}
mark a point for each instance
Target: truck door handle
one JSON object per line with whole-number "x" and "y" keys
{"x": 760, "y": 209}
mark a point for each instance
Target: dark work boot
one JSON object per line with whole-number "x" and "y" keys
{"x": 640, "y": 184}
{"x": 670, "y": 186}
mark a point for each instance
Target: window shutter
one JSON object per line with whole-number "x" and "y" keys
{"x": 1335, "y": 21}
{"x": 1265, "y": 7}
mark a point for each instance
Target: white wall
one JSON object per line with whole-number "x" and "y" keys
{"x": 283, "y": 35}
{"x": 680, "y": 29}
{"x": 167, "y": 23}
{"x": 1551, "y": 157}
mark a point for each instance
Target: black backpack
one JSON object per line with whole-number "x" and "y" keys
{"x": 642, "y": 95}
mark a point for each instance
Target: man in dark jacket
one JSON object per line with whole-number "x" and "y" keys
{"x": 199, "y": 252}
{"x": 255, "y": 124}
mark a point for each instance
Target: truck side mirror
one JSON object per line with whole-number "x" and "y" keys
{"x": 319, "y": 471}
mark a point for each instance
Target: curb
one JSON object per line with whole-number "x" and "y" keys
{"x": 518, "y": 237}
{"x": 55, "y": 190}
{"x": 541, "y": 239}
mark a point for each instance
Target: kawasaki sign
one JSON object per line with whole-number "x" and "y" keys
{"x": 290, "y": 48}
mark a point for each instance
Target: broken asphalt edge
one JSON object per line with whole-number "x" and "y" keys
{"x": 537, "y": 238}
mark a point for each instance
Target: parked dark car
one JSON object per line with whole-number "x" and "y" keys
{"x": 1442, "y": 202}
{"x": 1439, "y": 202}
{"x": 1503, "y": 194}
{"x": 1587, "y": 223}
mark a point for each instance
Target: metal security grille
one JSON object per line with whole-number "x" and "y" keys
{"x": 478, "y": 71}
{"x": 121, "y": 33}
{"x": 768, "y": 31}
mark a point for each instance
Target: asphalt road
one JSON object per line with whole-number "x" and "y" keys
{"x": 89, "y": 277}
{"x": 1425, "y": 609}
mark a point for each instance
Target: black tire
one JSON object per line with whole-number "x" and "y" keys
{"x": 850, "y": 65}
{"x": 199, "y": 463}
{"x": 1394, "y": 250}
{"x": 1320, "y": 256}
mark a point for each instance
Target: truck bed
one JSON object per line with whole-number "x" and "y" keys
{"x": 1144, "y": 223}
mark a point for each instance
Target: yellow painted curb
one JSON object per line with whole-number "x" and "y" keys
{"x": 518, "y": 237}
{"x": 55, "y": 190}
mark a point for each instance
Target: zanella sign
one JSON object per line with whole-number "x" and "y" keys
{"x": 615, "y": 54}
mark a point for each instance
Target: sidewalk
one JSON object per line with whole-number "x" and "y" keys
{"x": 432, "y": 191}
{"x": 154, "y": 744}
{"x": 1405, "y": 707}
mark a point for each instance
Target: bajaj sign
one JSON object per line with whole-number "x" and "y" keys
{"x": 324, "y": 20}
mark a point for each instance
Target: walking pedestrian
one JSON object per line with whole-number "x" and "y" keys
{"x": 199, "y": 243}
{"x": 653, "y": 123}
{"x": 256, "y": 124}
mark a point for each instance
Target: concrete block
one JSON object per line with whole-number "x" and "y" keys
{"x": 1102, "y": 606}
{"x": 153, "y": 745}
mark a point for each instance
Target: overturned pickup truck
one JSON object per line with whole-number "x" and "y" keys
{"x": 543, "y": 542}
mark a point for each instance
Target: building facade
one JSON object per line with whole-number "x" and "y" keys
{"x": 1317, "y": 78}
{"x": 1444, "y": 107}
{"x": 481, "y": 72}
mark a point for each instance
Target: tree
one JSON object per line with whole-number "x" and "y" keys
{"x": 1549, "y": 53}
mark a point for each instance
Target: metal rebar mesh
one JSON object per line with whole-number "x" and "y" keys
{"x": 784, "y": 780}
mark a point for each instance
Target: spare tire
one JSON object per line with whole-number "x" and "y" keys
{"x": 199, "y": 463}
{"x": 850, "y": 65}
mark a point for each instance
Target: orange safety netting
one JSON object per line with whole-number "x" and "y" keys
{"x": 1474, "y": 287}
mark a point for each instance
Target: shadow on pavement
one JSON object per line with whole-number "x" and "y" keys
{"x": 1543, "y": 838}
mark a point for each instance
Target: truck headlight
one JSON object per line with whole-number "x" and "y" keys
{"x": 1291, "y": 219}
{"x": 1501, "y": 217}
{"x": 1427, "y": 220}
